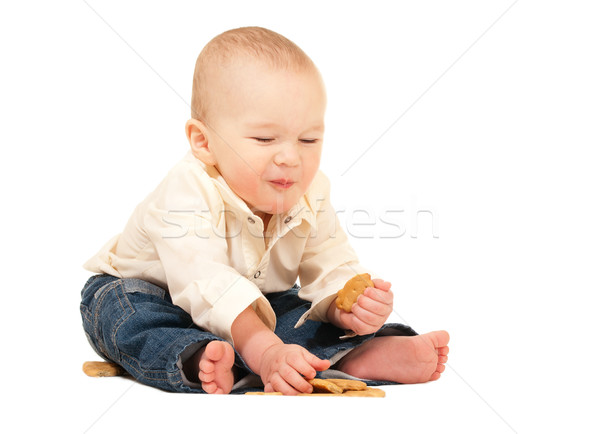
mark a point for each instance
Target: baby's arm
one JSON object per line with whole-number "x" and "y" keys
{"x": 370, "y": 311}
{"x": 280, "y": 366}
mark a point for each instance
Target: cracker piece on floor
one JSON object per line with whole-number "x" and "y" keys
{"x": 354, "y": 287}
{"x": 264, "y": 393}
{"x": 321, "y": 385}
{"x": 102, "y": 369}
{"x": 346, "y": 385}
{"x": 369, "y": 392}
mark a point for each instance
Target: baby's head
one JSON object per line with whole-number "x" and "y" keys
{"x": 258, "y": 107}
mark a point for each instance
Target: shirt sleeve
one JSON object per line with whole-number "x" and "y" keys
{"x": 327, "y": 263}
{"x": 192, "y": 248}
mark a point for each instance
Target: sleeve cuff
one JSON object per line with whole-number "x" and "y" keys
{"x": 318, "y": 310}
{"x": 233, "y": 301}
{"x": 320, "y": 305}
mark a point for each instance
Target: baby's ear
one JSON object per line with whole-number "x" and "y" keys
{"x": 195, "y": 131}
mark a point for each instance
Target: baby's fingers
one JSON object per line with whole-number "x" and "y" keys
{"x": 315, "y": 362}
{"x": 279, "y": 384}
{"x": 385, "y": 297}
{"x": 362, "y": 328}
{"x": 368, "y": 317}
{"x": 300, "y": 365}
{"x": 375, "y": 305}
{"x": 295, "y": 380}
{"x": 382, "y": 284}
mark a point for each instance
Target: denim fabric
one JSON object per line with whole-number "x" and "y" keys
{"x": 134, "y": 323}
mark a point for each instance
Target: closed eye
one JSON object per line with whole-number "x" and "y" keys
{"x": 309, "y": 141}
{"x": 263, "y": 139}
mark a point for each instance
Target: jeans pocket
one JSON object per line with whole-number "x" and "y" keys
{"x": 86, "y": 315}
{"x": 95, "y": 286}
{"x": 143, "y": 287}
{"x": 107, "y": 303}
{"x": 103, "y": 308}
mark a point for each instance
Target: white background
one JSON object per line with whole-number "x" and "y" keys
{"x": 483, "y": 115}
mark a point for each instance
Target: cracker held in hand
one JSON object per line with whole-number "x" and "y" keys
{"x": 354, "y": 287}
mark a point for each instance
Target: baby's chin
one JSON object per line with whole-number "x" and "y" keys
{"x": 276, "y": 204}
{"x": 274, "y": 209}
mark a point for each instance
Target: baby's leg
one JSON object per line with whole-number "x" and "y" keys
{"x": 402, "y": 359}
{"x": 133, "y": 323}
{"x": 213, "y": 366}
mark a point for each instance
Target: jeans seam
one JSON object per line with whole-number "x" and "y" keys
{"x": 85, "y": 312}
{"x": 142, "y": 372}
{"x": 123, "y": 317}
{"x": 99, "y": 301}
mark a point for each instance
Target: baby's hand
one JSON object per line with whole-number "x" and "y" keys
{"x": 370, "y": 311}
{"x": 284, "y": 367}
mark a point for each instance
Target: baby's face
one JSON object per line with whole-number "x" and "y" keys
{"x": 265, "y": 130}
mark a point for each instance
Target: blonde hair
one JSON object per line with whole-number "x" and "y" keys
{"x": 251, "y": 42}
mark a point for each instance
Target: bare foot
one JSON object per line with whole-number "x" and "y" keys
{"x": 212, "y": 365}
{"x": 402, "y": 359}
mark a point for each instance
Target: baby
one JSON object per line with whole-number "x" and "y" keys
{"x": 199, "y": 293}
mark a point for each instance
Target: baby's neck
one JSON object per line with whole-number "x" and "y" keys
{"x": 266, "y": 218}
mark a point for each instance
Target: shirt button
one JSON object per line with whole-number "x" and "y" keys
{"x": 257, "y": 274}
{"x": 287, "y": 219}
{"x": 250, "y": 220}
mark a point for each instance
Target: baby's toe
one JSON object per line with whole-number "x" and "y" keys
{"x": 207, "y": 365}
{"x": 206, "y": 376}
{"x": 210, "y": 387}
{"x": 215, "y": 350}
{"x": 435, "y": 376}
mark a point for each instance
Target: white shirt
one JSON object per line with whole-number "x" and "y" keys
{"x": 196, "y": 238}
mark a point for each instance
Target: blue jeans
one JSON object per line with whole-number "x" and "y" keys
{"x": 134, "y": 323}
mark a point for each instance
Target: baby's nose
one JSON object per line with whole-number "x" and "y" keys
{"x": 288, "y": 154}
